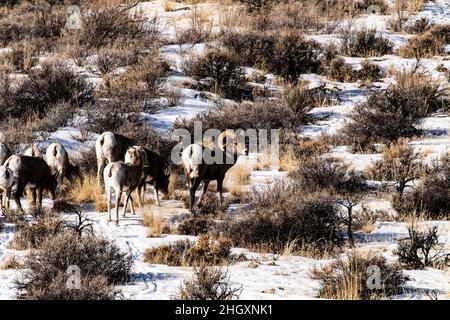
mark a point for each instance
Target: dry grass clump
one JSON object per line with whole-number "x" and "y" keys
{"x": 196, "y": 225}
{"x": 292, "y": 154}
{"x": 206, "y": 250}
{"x": 153, "y": 223}
{"x": 88, "y": 191}
{"x": 365, "y": 43}
{"x": 348, "y": 278}
{"x": 11, "y": 262}
{"x": 208, "y": 284}
{"x": 427, "y": 44}
{"x": 235, "y": 178}
{"x": 101, "y": 264}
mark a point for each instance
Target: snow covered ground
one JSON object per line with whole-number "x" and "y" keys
{"x": 289, "y": 275}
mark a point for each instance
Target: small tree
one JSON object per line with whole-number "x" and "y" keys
{"x": 400, "y": 164}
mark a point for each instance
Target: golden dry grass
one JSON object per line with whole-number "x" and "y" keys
{"x": 154, "y": 224}
{"x": 88, "y": 191}
{"x": 235, "y": 178}
{"x": 11, "y": 262}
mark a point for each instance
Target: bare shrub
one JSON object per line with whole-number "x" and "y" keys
{"x": 400, "y": 164}
{"x": 387, "y": 116}
{"x": 221, "y": 67}
{"x": 348, "y": 278}
{"x": 100, "y": 261}
{"x": 199, "y": 29}
{"x": 206, "y": 250}
{"x": 284, "y": 214}
{"x": 31, "y": 235}
{"x": 431, "y": 198}
{"x": 422, "y": 249}
{"x": 365, "y": 43}
{"x": 52, "y": 84}
{"x": 110, "y": 59}
{"x": 208, "y": 284}
{"x": 196, "y": 225}
{"x": 287, "y": 54}
{"x": 419, "y": 26}
{"x": 258, "y": 115}
{"x": 428, "y": 44}
{"x": 370, "y": 71}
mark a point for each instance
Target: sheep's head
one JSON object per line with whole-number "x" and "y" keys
{"x": 133, "y": 156}
{"x": 229, "y": 141}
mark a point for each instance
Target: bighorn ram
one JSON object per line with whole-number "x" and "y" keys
{"x": 123, "y": 177}
{"x": 33, "y": 151}
{"x": 6, "y": 183}
{"x": 152, "y": 173}
{"x": 110, "y": 147}
{"x": 5, "y": 153}
{"x": 196, "y": 170}
{"x": 33, "y": 173}
{"x": 59, "y": 164}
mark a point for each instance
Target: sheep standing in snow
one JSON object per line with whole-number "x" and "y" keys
{"x": 197, "y": 171}
{"x": 6, "y": 183}
{"x": 5, "y": 153}
{"x": 123, "y": 177}
{"x": 110, "y": 147}
{"x": 58, "y": 161}
{"x": 32, "y": 173}
{"x": 33, "y": 151}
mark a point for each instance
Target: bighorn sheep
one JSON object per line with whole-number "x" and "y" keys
{"x": 110, "y": 147}
{"x": 33, "y": 173}
{"x": 5, "y": 153}
{"x": 33, "y": 151}
{"x": 59, "y": 164}
{"x": 6, "y": 183}
{"x": 152, "y": 173}
{"x": 123, "y": 177}
{"x": 196, "y": 170}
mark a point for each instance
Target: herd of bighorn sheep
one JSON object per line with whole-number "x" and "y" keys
{"x": 123, "y": 166}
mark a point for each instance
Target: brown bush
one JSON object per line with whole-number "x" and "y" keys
{"x": 110, "y": 59}
{"x": 400, "y": 164}
{"x": 208, "y": 284}
{"x": 428, "y": 44}
{"x": 206, "y": 250}
{"x": 421, "y": 250}
{"x": 365, "y": 43}
{"x": 195, "y": 225}
{"x": 31, "y": 235}
{"x": 221, "y": 67}
{"x": 281, "y": 215}
{"x": 346, "y": 278}
{"x": 100, "y": 261}
{"x": 387, "y": 116}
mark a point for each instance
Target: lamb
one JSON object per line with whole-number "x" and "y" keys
{"x": 5, "y": 153}
{"x": 153, "y": 173}
{"x": 110, "y": 147}
{"x": 58, "y": 161}
{"x": 6, "y": 183}
{"x": 123, "y": 177}
{"x": 197, "y": 171}
{"x": 33, "y": 151}
{"x": 33, "y": 173}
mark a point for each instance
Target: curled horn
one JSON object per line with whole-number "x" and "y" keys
{"x": 223, "y": 136}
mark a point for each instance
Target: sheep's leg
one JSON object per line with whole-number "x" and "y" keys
{"x": 204, "y": 190}
{"x": 127, "y": 197}
{"x": 119, "y": 196}
{"x": 131, "y": 204}
{"x": 194, "y": 187}
{"x": 33, "y": 197}
{"x": 39, "y": 195}
{"x": 17, "y": 195}
{"x": 101, "y": 164}
{"x": 156, "y": 193}
{"x": 108, "y": 196}
{"x": 219, "y": 189}
{"x": 139, "y": 196}
{"x": 7, "y": 197}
